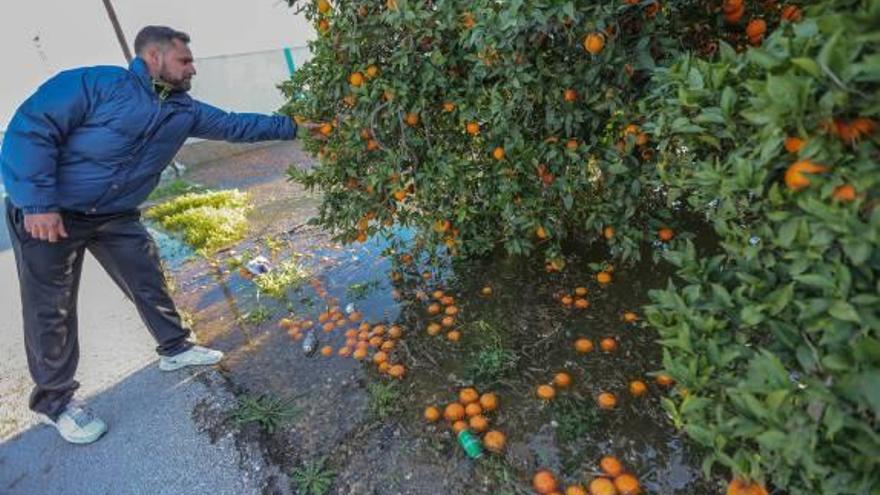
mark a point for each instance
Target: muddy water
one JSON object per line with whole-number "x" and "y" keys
{"x": 401, "y": 453}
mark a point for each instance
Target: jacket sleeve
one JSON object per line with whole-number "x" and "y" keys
{"x": 213, "y": 123}
{"x": 37, "y": 130}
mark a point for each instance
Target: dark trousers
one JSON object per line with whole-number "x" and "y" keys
{"x": 48, "y": 275}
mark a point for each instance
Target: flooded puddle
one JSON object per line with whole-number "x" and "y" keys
{"x": 370, "y": 427}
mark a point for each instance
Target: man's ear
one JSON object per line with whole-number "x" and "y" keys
{"x": 151, "y": 55}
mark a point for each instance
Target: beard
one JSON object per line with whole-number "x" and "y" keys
{"x": 177, "y": 84}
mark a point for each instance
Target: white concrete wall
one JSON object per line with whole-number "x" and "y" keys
{"x": 245, "y": 82}
{"x": 40, "y": 38}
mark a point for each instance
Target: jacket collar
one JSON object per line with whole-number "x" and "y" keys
{"x": 139, "y": 68}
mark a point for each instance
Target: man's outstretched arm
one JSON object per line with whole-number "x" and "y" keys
{"x": 213, "y": 123}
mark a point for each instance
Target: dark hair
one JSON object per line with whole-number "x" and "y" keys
{"x": 163, "y": 35}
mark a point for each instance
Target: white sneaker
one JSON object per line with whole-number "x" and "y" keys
{"x": 77, "y": 424}
{"x": 194, "y": 356}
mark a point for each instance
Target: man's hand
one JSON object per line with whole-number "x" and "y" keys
{"x": 315, "y": 129}
{"x": 45, "y": 226}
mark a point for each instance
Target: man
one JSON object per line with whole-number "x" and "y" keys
{"x": 79, "y": 156}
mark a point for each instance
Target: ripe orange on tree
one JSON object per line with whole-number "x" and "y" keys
{"x": 796, "y": 174}
{"x": 793, "y": 144}
{"x": 603, "y": 277}
{"x": 498, "y": 153}
{"x": 665, "y": 234}
{"x": 594, "y": 43}
{"x": 356, "y": 79}
{"x": 733, "y": 10}
{"x": 472, "y": 128}
{"x": 844, "y": 193}
{"x": 569, "y": 95}
{"x": 372, "y": 71}
{"x": 791, "y": 13}
{"x": 756, "y": 28}
{"x": 411, "y": 119}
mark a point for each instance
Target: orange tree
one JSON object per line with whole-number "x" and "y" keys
{"x": 524, "y": 123}
{"x": 480, "y": 123}
{"x": 775, "y": 341}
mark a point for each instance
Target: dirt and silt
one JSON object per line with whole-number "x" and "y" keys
{"x": 369, "y": 428}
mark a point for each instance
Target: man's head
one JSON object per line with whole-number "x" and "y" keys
{"x": 167, "y": 55}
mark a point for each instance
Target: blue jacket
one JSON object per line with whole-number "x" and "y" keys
{"x": 96, "y": 139}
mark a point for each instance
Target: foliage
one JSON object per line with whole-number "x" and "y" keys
{"x": 173, "y": 188}
{"x": 772, "y": 334}
{"x": 258, "y": 315}
{"x": 313, "y": 478}
{"x": 268, "y": 412}
{"x": 575, "y": 417}
{"x": 491, "y": 361}
{"x": 208, "y": 221}
{"x": 361, "y": 290}
{"x": 775, "y": 342}
{"x": 383, "y": 399}
{"x": 287, "y": 275}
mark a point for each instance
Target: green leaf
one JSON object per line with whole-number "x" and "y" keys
{"x": 857, "y": 250}
{"x": 700, "y": 435}
{"x": 845, "y": 311}
{"x": 772, "y": 439}
{"x": 752, "y": 315}
{"x": 808, "y": 65}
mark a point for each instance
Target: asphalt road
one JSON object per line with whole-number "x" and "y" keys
{"x": 155, "y": 444}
